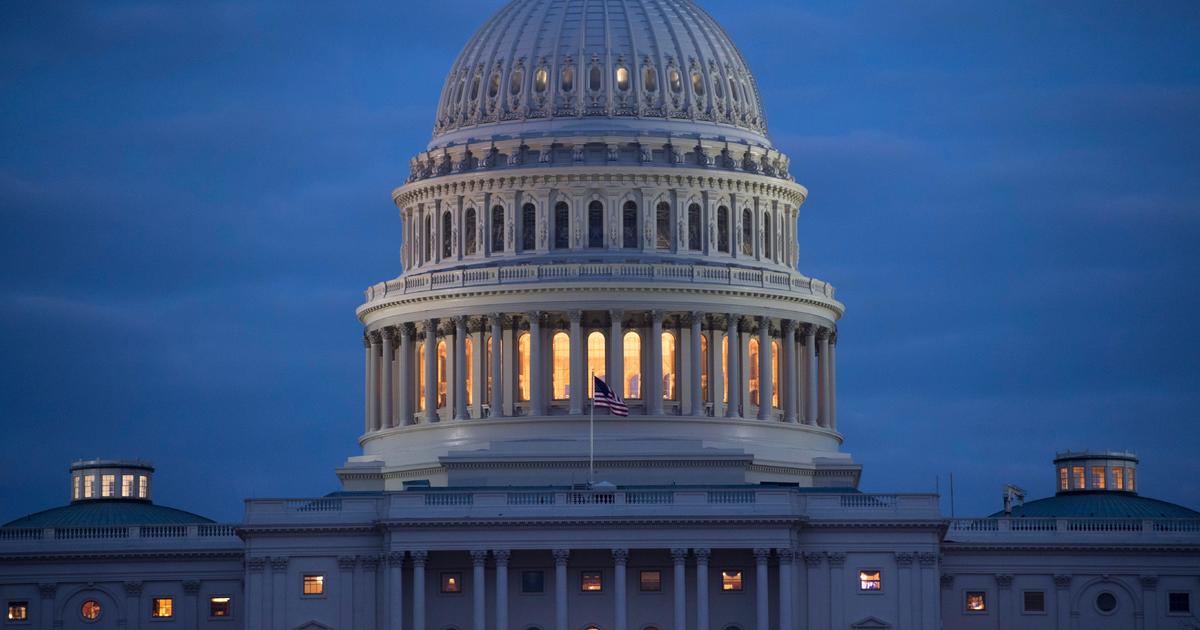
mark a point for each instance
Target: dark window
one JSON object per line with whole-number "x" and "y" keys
{"x": 1179, "y": 602}
{"x": 515, "y": 81}
{"x": 629, "y": 225}
{"x": 475, "y": 87}
{"x": 528, "y": 227}
{"x": 747, "y": 233}
{"x": 1106, "y": 602}
{"x": 494, "y": 85}
{"x": 447, "y": 229}
{"x": 568, "y": 79}
{"x": 591, "y": 582}
{"x": 1035, "y": 602}
{"x": 663, "y": 222}
{"x": 533, "y": 582}
{"x": 497, "y": 229}
{"x": 18, "y": 611}
{"x": 427, "y": 237}
{"x": 451, "y": 582}
{"x": 767, "y": 237}
{"x": 594, "y": 79}
{"x": 562, "y": 226}
{"x": 220, "y": 606}
{"x": 651, "y": 581}
{"x": 723, "y": 229}
{"x": 469, "y": 232}
{"x": 595, "y": 224}
{"x": 650, "y": 79}
{"x": 694, "y": 232}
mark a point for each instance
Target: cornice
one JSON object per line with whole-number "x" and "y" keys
{"x": 696, "y": 522}
{"x": 166, "y": 554}
{"x": 1156, "y": 547}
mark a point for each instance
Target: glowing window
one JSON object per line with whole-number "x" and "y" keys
{"x": 528, "y": 227}
{"x": 724, "y": 368}
{"x": 676, "y": 80}
{"x": 775, "y": 374}
{"x": 633, "y": 365}
{"x": 663, "y": 224}
{"x": 441, "y": 374}
{"x": 704, "y": 367}
{"x": 89, "y": 486}
{"x": 90, "y": 610}
{"x": 76, "y": 488}
{"x": 108, "y": 485}
{"x": 127, "y": 485}
{"x": 487, "y": 369}
{"x": 469, "y": 232}
{"x": 143, "y": 486}
{"x": 767, "y": 235}
{"x": 540, "y": 79}
{"x": 497, "y": 228}
{"x": 447, "y": 232}
{"x": 514, "y": 82}
{"x": 747, "y": 232}
{"x": 623, "y": 79}
{"x": 1064, "y": 483}
{"x": 650, "y": 581}
{"x": 1077, "y": 474}
{"x": 1129, "y": 479}
{"x": 451, "y": 582}
{"x": 595, "y": 358}
{"x": 467, "y": 372}
{"x": 869, "y": 580}
{"x": 560, "y": 349}
{"x": 650, "y": 79}
{"x": 697, "y": 84}
{"x": 313, "y": 584}
{"x": 18, "y": 611}
{"x": 523, "y": 367}
{"x": 162, "y": 608}
{"x": 694, "y": 227}
{"x": 1118, "y": 479}
{"x": 591, "y": 582}
{"x": 723, "y": 229}
{"x": 568, "y": 79}
{"x": 1098, "y": 477}
{"x": 976, "y": 601}
{"x": 562, "y": 225}
{"x": 753, "y": 371}
{"x": 669, "y": 378}
{"x": 421, "y": 377}
{"x": 629, "y": 225}
{"x": 220, "y": 606}
{"x": 731, "y": 580}
{"x": 595, "y": 224}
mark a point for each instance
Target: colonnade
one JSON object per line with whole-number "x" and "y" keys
{"x": 663, "y": 362}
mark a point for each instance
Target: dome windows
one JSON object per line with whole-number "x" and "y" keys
{"x": 540, "y": 79}
{"x": 469, "y": 232}
{"x": 676, "y": 80}
{"x": 528, "y": 227}
{"x": 560, "y": 350}
{"x": 595, "y": 78}
{"x": 697, "y": 84}
{"x": 718, "y": 91}
{"x": 663, "y": 225}
{"x": 629, "y": 225}
{"x": 562, "y": 227}
{"x": 632, "y": 347}
{"x": 567, "y": 79}
{"x": 515, "y": 81}
{"x": 494, "y": 85}
{"x": 497, "y": 228}
{"x": 595, "y": 224}
{"x": 650, "y": 79}
{"x": 623, "y": 79}
{"x": 733, "y": 89}
{"x": 475, "y": 87}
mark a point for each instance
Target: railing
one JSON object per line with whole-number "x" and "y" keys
{"x": 212, "y": 533}
{"x": 731, "y": 496}
{"x": 974, "y": 528}
{"x": 449, "y": 498}
{"x": 868, "y": 500}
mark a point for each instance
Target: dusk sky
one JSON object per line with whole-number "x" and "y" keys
{"x": 194, "y": 195}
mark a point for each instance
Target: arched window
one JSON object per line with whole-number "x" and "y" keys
{"x": 629, "y": 225}
{"x": 497, "y": 228}
{"x": 528, "y": 227}
{"x": 775, "y": 374}
{"x": 441, "y": 374}
{"x": 724, "y": 368}
{"x": 487, "y": 369}
{"x": 427, "y": 238}
{"x": 669, "y": 378}
{"x": 568, "y": 79}
{"x": 694, "y": 227}
{"x": 663, "y": 222}
{"x": 650, "y": 79}
{"x": 723, "y": 229}
{"x": 632, "y": 343}
{"x": 494, "y": 85}
{"x": 718, "y": 91}
{"x": 623, "y": 79}
{"x": 753, "y": 380}
{"x": 467, "y": 372}
{"x": 540, "y": 79}
{"x": 747, "y": 232}
{"x": 595, "y": 79}
{"x": 469, "y": 232}
{"x": 560, "y": 350}
{"x": 697, "y": 84}
{"x": 704, "y": 367}
{"x": 596, "y": 351}
{"x": 475, "y": 87}
{"x": 676, "y": 80}
{"x": 562, "y": 226}
{"x": 514, "y": 82}
{"x": 420, "y": 377}
{"x": 595, "y": 224}
{"x": 447, "y": 231}
{"x": 523, "y": 367}
{"x": 733, "y": 89}
{"x": 768, "y": 236}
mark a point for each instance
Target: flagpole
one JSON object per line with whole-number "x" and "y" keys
{"x": 592, "y": 435}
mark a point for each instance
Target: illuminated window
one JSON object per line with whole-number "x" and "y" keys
{"x": 89, "y": 486}
{"x": 533, "y": 582}
{"x": 560, "y": 350}
{"x": 669, "y": 378}
{"x": 487, "y": 369}
{"x": 595, "y": 358}
{"x": 76, "y": 487}
{"x": 421, "y": 377}
{"x": 623, "y": 79}
{"x": 694, "y": 227}
{"x": 591, "y": 582}
{"x": 1179, "y": 603}
{"x": 595, "y": 224}
{"x": 451, "y": 582}
{"x": 515, "y": 81}
{"x": 767, "y": 236}
{"x": 697, "y": 84}
{"x": 523, "y": 367}
{"x": 633, "y": 365}
{"x": 676, "y": 80}
{"x": 497, "y": 228}
{"x": 469, "y": 232}
{"x": 314, "y": 584}
{"x": 724, "y": 368}
{"x": 562, "y": 225}
{"x": 1098, "y": 477}
{"x": 663, "y": 224}
{"x": 143, "y": 486}
{"x": 568, "y": 79}
{"x": 220, "y": 606}
{"x": 1064, "y": 483}
{"x": 704, "y": 367}
{"x": 629, "y": 225}
{"x": 753, "y": 380}
{"x": 108, "y": 485}
{"x": 1034, "y": 602}
{"x": 1129, "y": 479}
{"x": 162, "y": 608}
{"x": 18, "y": 611}
{"x": 723, "y": 229}
{"x": 126, "y": 485}
{"x": 650, "y": 79}
{"x": 775, "y": 374}
{"x": 747, "y": 233}
{"x": 441, "y": 374}
{"x": 869, "y": 580}
{"x": 731, "y": 580}
{"x": 1077, "y": 474}
{"x": 540, "y": 79}
{"x": 494, "y": 85}
{"x": 90, "y": 610}
{"x": 650, "y": 581}
{"x": 528, "y": 227}
{"x": 976, "y": 601}
{"x": 1118, "y": 479}
{"x": 467, "y": 372}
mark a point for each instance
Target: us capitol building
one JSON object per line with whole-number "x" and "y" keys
{"x": 601, "y": 198}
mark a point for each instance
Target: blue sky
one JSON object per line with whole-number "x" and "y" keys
{"x": 194, "y": 196}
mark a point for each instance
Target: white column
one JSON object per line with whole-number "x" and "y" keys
{"x": 764, "y": 369}
{"x": 810, "y": 398}
{"x": 654, "y": 393}
{"x": 278, "y": 592}
{"x": 404, "y": 392}
{"x": 497, "y": 397}
{"x": 814, "y": 579}
{"x": 786, "y": 621}
{"x": 479, "y": 587}
{"x": 733, "y": 349}
{"x": 616, "y": 354}
{"x": 384, "y": 419}
{"x": 418, "y": 558}
{"x": 537, "y": 378}
{"x": 701, "y": 588}
{"x": 368, "y": 589}
{"x": 904, "y": 567}
{"x": 837, "y": 590}
{"x": 762, "y": 611}
{"x": 578, "y": 379}
{"x": 679, "y": 556}
{"x": 133, "y": 602}
{"x": 560, "y": 588}
{"x": 394, "y": 587}
{"x": 460, "y": 368}
{"x": 823, "y": 377}
{"x": 788, "y": 345}
{"x": 431, "y": 414}
{"x": 255, "y": 593}
{"x": 501, "y": 556}
{"x": 833, "y": 381}
{"x": 621, "y": 614}
{"x": 695, "y": 364}
{"x": 368, "y": 380}
{"x": 346, "y": 566}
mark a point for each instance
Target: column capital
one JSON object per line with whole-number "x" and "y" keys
{"x": 256, "y": 564}
{"x": 279, "y": 564}
{"x": 574, "y": 315}
{"x": 501, "y": 555}
{"x": 810, "y": 331}
{"x": 789, "y": 326}
{"x": 560, "y": 556}
{"x": 904, "y": 558}
{"x": 696, "y": 317}
{"x": 786, "y": 555}
{"x": 616, "y": 314}
{"x": 369, "y": 561}
{"x": 47, "y": 590}
{"x": 620, "y": 555}
{"x": 679, "y": 555}
{"x": 133, "y": 589}
{"x": 376, "y": 338}
{"x": 947, "y": 581}
{"x": 1062, "y": 581}
{"x": 419, "y": 557}
{"x": 388, "y": 333}
{"x": 823, "y": 334}
{"x": 702, "y": 554}
{"x": 813, "y": 558}
{"x": 191, "y": 587}
{"x": 656, "y": 315}
{"x": 366, "y": 339}
{"x": 347, "y": 563}
{"x": 927, "y": 559}
{"x": 395, "y": 558}
{"x": 479, "y": 557}
{"x": 460, "y": 321}
{"x": 1004, "y": 581}
{"x": 762, "y": 554}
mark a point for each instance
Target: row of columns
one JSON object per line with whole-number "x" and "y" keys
{"x": 807, "y": 368}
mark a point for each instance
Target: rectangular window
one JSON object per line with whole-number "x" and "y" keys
{"x": 1034, "y": 602}
{"x": 1118, "y": 479}
{"x": 1077, "y": 474}
{"x": 220, "y": 606}
{"x": 18, "y": 611}
{"x": 1179, "y": 603}
{"x": 89, "y": 486}
{"x": 976, "y": 601}
{"x": 731, "y": 580}
{"x": 108, "y": 485}
{"x": 1063, "y": 482}
{"x": 533, "y": 582}
{"x": 1098, "y": 477}
{"x": 143, "y": 486}
{"x": 75, "y": 488}
{"x": 869, "y": 580}
{"x": 126, "y": 485}
{"x": 162, "y": 608}
{"x": 651, "y": 581}
{"x": 314, "y": 584}
{"x": 591, "y": 582}
{"x": 1129, "y": 480}
{"x": 452, "y": 582}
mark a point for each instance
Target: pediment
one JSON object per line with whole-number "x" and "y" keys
{"x": 313, "y": 625}
{"x": 870, "y": 623}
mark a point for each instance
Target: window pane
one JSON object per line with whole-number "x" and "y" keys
{"x": 633, "y": 365}
{"x": 724, "y": 368}
{"x": 629, "y": 225}
{"x": 731, "y": 580}
{"x": 314, "y": 584}
{"x": 143, "y": 486}
{"x": 18, "y": 611}
{"x": 469, "y": 232}
{"x": 1063, "y": 481}
{"x": 694, "y": 227}
{"x": 651, "y": 581}
{"x": 591, "y": 581}
{"x": 528, "y": 227}
{"x": 1035, "y": 601}
{"x": 487, "y": 369}
{"x": 668, "y": 367}
{"x": 723, "y": 229}
{"x": 976, "y": 601}
{"x": 767, "y": 235}
{"x": 1118, "y": 479}
{"x": 467, "y": 371}
{"x": 747, "y": 233}
{"x": 523, "y": 367}
{"x": 497, "y": 229}
{"x": 869, "y": 580}
{"x": 1129, "y": 479}
{"x": 1179, "y": 602}
{"x": 595, "y": 358}
{"x": 595, "y": 224}
{"x": 775, "y": 374}
{"x": 447, "y": 232}
{"x": 90, "y": 610}
{"x": 127, "y": 485}
{"x": 219, "y": 606}
{"x": 162, "y": 607}
{"x": 421, "y": 377}
{"x": 108, "y": 485}
{"x": 704, "y": 368}
{"x": 1077, "y": 473}
{"x": 560, "y": 348}
{"x": 753, "y": 360}
{"x": 622, "y": 79}
{"x": 1098, "y": 477}
{"x": 451, "y": 582}
{"x": 562, "y": 226}
{"x": 441, "y": 374}
{"x": 663, "y": 224}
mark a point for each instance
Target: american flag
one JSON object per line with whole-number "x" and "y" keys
{"x": 607, "y": 398}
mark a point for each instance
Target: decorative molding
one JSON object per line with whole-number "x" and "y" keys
{"x": 1004, "y": 581}
{"x": 347, "y": 563}
{"x": 837, "y": 559}
{"x": 191, "y": 587}
{"x": 256, "y": 564}
{"x": 904, "y": 559}
{"x": 702, "y": 554}
{"x": 561, "y": 556}
{"x": 133, "y": 589}
{"x": 369, "y": 562}
{"x": 279, "y": 564}
{"x": 679, "y": 555}
{"x": 927, "y": 559}
{"x": 395, "y": 559}
{"x": 501, "y": 556}
{"x": 762, "y": 554}
{"x": 479, "y": 557}
{"x": 1062, "y": 581}
{"x": 785, "y": 554}
{"x": 419, "y": 557}
{"x": 620, "y": 555}
{"x": 813, "y": 559}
